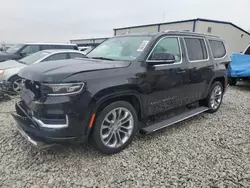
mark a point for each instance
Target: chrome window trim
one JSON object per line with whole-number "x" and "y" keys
{"x": 161, "y": 65}
{"x": 201, "y": 60}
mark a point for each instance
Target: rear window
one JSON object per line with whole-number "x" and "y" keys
{"x": 218, "y": 48}
{"x": 196, "y": 49}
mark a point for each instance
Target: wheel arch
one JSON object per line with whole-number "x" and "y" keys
{"x": 222, "y": 80}
{"x": 133, "y": 97}
{"x": 11, "y": 77}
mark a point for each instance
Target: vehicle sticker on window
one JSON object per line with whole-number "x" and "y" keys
{"x": 142, "y": 46}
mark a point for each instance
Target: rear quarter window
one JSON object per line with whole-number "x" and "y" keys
{"x": 218, "y": 48}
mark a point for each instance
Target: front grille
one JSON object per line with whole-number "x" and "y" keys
{"x": 35, "y": 87}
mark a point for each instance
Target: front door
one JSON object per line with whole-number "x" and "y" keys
{"x": 166, "y": 83}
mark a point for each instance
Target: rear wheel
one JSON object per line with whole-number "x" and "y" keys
{"x": 214, "y": 98}
{"x": 115, "y": 127}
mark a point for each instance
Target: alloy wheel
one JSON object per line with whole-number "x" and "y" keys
{"x": 17, "y": 85}
{"x": 216, "y": 97}
{"x": 117, "y": 127}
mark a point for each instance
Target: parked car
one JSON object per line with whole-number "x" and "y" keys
{"x": 124, "y": 80}
{"x": 19, "y": 51}
{"x": 9, "y": 69}
{"x": 86, "y": 50}
{"x": 239, "y": 68}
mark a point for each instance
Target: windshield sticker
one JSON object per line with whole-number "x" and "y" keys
{"x": 142, "y": 46}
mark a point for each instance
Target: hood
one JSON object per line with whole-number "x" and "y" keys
{"x": 57, "y": 71}
{"x": 6, "y": 56}
{"x": 11, "y": 64}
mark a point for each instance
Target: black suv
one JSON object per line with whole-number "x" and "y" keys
{"x": 125, "y": 79}
{"x": 19, "y": 51}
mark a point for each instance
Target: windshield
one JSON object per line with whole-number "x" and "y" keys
{"x": 14, "y": 49}
{"x": 34, "y": 57}
{"x": 121, "y": 48}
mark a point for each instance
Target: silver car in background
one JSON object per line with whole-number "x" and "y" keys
{"x": 9, "y": 69}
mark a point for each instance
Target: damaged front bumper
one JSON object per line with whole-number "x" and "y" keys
{"x": 40, "y": 133}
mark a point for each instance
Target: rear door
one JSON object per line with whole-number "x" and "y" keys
{"x": 200, "y": 67}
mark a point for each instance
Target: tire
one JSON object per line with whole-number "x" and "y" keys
{"x": 107, "y": 144}
{"x": 14, "y": 80}
{"x": 232, "y": 81}
{"x": 209, "y": 101}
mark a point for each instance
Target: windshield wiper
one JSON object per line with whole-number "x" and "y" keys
{"x": 102, "y": 58}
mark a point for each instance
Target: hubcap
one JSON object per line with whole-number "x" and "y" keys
{"x": 216, "y": 97}
{"x": 17, "y": 85}
{"x": 117, "y": 127}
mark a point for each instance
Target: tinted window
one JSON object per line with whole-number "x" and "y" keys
{"x": 218, "y": 48}
{"x": 55, "y": 57}
{"x": 30, "y": 49}
{"x": 196, "y": 49}
{"x": 47, "y": 47}
{"x": 64, "y": 47}
{"x": 76, "y": 55}
{"x": 170, "y": 45}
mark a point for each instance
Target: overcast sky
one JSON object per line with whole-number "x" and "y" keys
{"x": 62, "y": 20}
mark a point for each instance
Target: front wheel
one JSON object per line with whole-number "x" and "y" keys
{"x": 214, "y": 98}
{"x": 16, "y": 84}
{"x": 115, "y": 127}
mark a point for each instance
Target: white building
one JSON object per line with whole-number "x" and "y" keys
{"x": 237, "y": 39}
{"x": 88, "y": 42}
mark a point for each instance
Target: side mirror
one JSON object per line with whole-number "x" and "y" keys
{"x": 22, "y": 54}
{"x": 162, "y": 58}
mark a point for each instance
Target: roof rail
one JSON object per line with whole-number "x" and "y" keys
{"x": 190, "y": 33}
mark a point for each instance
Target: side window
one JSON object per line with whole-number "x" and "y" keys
{"x": 64, "y": 47}
{"x": 30, "y": 49}
{"x": 171, "y": 45}
{"x": 55, "y": 57}
{"x": 196, "y": 49}
{"x": 47, "y": 47}
{"x": 218, "y": 48}
{"x": 76, "y": 55}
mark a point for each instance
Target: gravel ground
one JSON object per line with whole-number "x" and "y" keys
{"x": 209, "y": 150}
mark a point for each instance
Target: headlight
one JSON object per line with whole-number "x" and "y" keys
{"x": 1, "y": 72}
{"x": 63, "y": 89}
